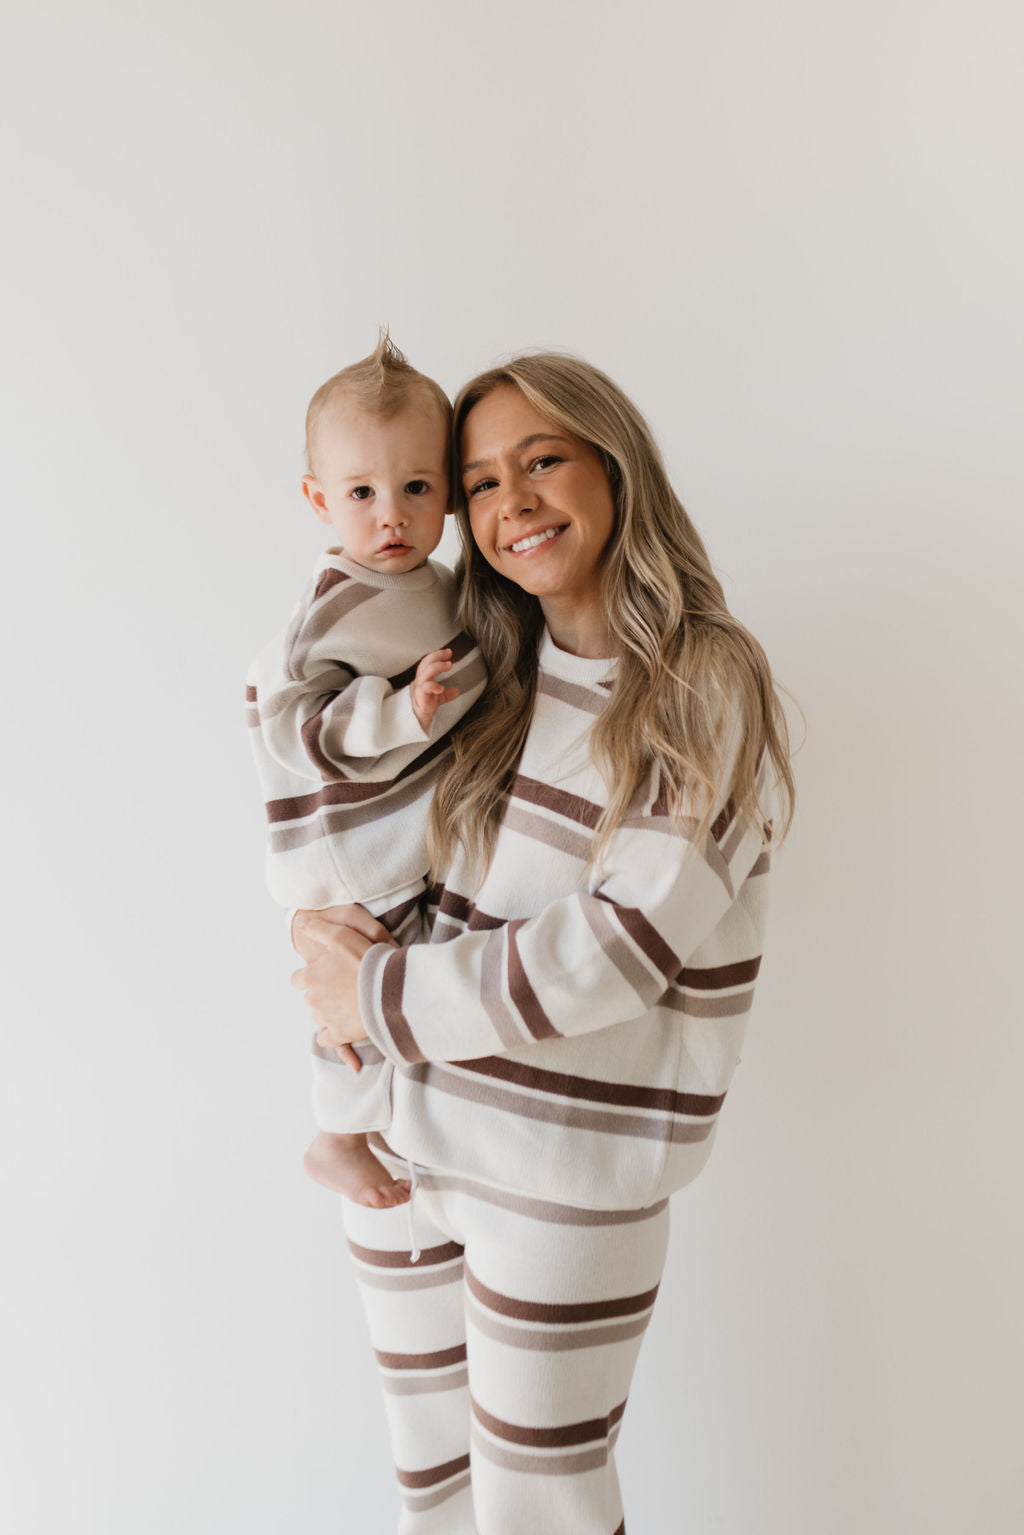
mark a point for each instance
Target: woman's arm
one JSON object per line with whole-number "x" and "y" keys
{"x": 586, "y": 962}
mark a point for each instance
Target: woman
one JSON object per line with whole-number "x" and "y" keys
{"x": 566, "y": 1037}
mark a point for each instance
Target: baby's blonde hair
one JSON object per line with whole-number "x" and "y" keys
{"x": 382, "y": 384}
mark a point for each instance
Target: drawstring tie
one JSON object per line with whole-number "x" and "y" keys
{"x": 414, "y": 1183}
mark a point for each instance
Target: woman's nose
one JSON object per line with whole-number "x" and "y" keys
{"x": 519, "y": 499}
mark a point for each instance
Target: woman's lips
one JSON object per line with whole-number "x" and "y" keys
{"x": 540, "y": 538}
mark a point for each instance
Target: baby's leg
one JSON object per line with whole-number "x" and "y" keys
{"x": 346, "y": 1164}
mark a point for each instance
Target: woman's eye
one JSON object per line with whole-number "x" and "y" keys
{"x": 480, "y": 485}
{"x": 417, "y": 488}
{"x": 545, "y": 461}
{"x": 361, "y": 492}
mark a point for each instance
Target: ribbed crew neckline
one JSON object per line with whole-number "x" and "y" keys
{"x": 409, "y": 580}
{"x": 588, "y": 671}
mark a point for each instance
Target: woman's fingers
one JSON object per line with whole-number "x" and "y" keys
{"x": 326, "y": 926}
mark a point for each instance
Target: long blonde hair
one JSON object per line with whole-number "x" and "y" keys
{"x": 689, "y": 679}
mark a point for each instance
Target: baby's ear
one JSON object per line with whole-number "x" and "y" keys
{"x": 313, "y": 493}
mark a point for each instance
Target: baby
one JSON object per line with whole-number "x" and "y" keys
{"x": 349, "y": 707}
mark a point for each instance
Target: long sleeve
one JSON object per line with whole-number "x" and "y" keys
{"x": 587, "y": 961}
{"x": 345, "y": 768}
{"x": 332, "y": 724}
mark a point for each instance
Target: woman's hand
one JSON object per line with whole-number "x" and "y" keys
{"x": 333, "y": 942}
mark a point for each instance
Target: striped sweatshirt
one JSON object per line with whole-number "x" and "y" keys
{"x": 566, "y": 1034}
{"x": 345, "y": 767}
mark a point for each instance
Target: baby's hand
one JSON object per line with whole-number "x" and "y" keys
{"x": 427, "y": 693}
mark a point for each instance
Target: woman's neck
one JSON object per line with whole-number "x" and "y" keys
{"x": 579, "y": 628}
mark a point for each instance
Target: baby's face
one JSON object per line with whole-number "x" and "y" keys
{"x": 381, "y": 485}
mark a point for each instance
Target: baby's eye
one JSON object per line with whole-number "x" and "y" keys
{"x": 417, "y": 488}
{"x": 361, "y": 492}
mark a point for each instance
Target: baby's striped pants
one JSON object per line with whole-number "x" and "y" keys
{"x": 506, "y": 1352}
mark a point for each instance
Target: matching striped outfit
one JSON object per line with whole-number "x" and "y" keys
{"x": 563, "y": 1041}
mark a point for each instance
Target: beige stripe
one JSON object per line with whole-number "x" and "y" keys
{"x": 411, "y": 1279}
{"x": 528, "y": 824}
{"x": 540, "y": 1465}
{"x": 658, "y": 1127}
{"x": 708, "y": 1007}
{"x": 252, "y": 717}
{"x": 421, "y": 1501}
{"x": 444, "y": 930}
{"x": 492, "y": 971}
{"x": 340, "y": 819}
{"x": 523, "y": 1204}
{"x": 552, "y": 1341}
{"x": 422, "y": 1385}
{"x": 322, "y": 617}
{"x": 570, "y": 693}
{"x": 762, "y": 865}
{"x": 716, "y": 863}
{"x": 648, "y": 987}
{"x": 333, "y": 679}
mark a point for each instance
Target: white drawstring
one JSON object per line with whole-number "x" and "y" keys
{"x": 414, "y": 1183}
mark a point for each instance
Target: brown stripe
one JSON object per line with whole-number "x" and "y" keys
{"x": 724, "y": 820}
{"x": 460, "y": 647}
{"x": 327, "y": 581}
{"x": 461, "y": 909}
{"x": 620, "y": 1529}
{"x": 572, "y": 806}
{"x": 391, "y": 1258}
{"x": 452, "y": 905}
{"x": 591, "y": 1089}
{"x": 433, "y": 1474}
{"x": 551, "y": 1111}
{"x": 548, "y": 1438}
{"x": 522, "y": 993}
{"x": 623, "y": 956}
{"x": 525, "y": 1204}
{"x": 395, "y": 1021}
{"x": 394, "y": 918}
{"x": 762, "y": 865}
{"x": 646, "y": 937}
{"x": 568, "y": 1463}
{"x": 438, "y": 1360}
{"x": 554, "y": 1342}
{"x": 349, "y": 793}
{"x": 718, "y": 977}
{"x": 250, "y": 693}
{"x": 558, "y": 1314}
{"x": 419, "y": 1502}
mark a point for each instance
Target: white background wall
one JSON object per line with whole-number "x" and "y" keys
{"x": 793, "y": 233}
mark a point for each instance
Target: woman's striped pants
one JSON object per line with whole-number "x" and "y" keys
{"x": 506, "y": 1351}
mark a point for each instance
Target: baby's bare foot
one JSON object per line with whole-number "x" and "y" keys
{"x": 345, "y": 1164}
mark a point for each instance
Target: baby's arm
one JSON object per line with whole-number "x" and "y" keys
{"x": 427, "y": 693}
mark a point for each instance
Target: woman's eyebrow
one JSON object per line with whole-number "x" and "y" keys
{"x": 527, "y": 442}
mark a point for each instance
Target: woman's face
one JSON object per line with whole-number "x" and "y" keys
{"x": 540, "y": 505}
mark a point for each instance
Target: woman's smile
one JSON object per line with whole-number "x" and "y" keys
{"x": 540, "y": 505}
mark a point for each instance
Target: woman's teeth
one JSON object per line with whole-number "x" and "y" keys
{"x": 534, "y": 540}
